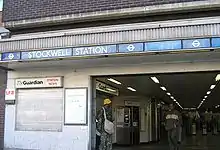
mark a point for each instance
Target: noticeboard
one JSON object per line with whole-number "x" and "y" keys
{"x": 76, "y": 106}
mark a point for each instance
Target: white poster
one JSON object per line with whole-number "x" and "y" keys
{"x": 10, "y": 94}
{"x": 120, "y": 115}
{"x": 76, "y": 106}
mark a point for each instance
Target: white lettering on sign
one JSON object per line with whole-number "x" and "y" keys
{"x": 10, "y": 94}
{"x": 91, "y": 50}
{"x": 39, "y": 82}
{"x": 132, "y": 103}
{"x": 106, "y": 88}
{"x": 49, "y": 53}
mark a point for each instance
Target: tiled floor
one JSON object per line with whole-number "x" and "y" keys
{"x": 199, "y": 142}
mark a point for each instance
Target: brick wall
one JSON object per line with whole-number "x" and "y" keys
{"x": 29, "y": 9}
{"x": 3, "y": 80}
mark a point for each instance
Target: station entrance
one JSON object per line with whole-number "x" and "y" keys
{"x": 139, "y": 103}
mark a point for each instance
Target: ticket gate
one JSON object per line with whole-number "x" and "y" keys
{"x": 204, "y": 129}
{"x": 194, "y": 129}
{"x": 127, "y": 125}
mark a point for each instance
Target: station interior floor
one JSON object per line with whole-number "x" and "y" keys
{"x": 188, "y": 90}
{"x": 198, "y": 142}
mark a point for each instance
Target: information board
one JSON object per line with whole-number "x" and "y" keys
{"x": 76, "y": 106}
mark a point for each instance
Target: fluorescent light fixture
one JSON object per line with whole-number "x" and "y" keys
{"x": 131, "y": 89}
{"x": 155, "y": 79}
{"x": 206, "y": 96}
{"x": 168, "y": 94}
{"x": 212, "y": 87}
{"x": 114, "y": 81}
{"x": 172, "y": 97}
{"x": 111, "y": 90}
{"x": 163, "y": 88}
{"x": 174, "y": 100}
{"x": 208, "y": 92}
{"x": 217, "y": 77}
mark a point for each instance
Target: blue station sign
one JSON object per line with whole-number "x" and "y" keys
{"x": 94, "y": 50}
{"x": 157, "y": 46}
{"x": 215, "y": 42}
{"x": 163, "y": 45}
{"x": 45, "y": 54}
{"x": 11, "y": 56}
{"x": 131, "y": 48}
{"x": 196, "y": 44}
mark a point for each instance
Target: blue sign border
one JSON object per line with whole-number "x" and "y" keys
{"x": 138, "y": 47}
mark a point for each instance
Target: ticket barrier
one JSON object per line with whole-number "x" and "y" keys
{"x": 204, "y": 129}
{"x": 127, "y": 127}
{"x": 215, "y": 129}
{"x": 194, "y": 129}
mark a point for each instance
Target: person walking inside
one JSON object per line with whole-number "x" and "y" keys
{"x": 105, "y": 114}
{"x": 173, "y": 125}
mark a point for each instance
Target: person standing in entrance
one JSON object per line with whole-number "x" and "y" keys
{"x": 106, "y": 138}
{"x": 173, "y": 125}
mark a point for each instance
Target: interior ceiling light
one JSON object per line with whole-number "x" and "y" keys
{"x": 155, "y": 79}
{"x": 217, "y": 77}
{"x": 174, "y": 100}
{"x": 131, "y": 89}
{"x": 114, "y": 81}
{"x": 163, "y": 88}
{"x": 168, "y": 94}
{"x": 212, "y": 87}
{"x": 172, "y": 97}
{"x": 112, "y": 90}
